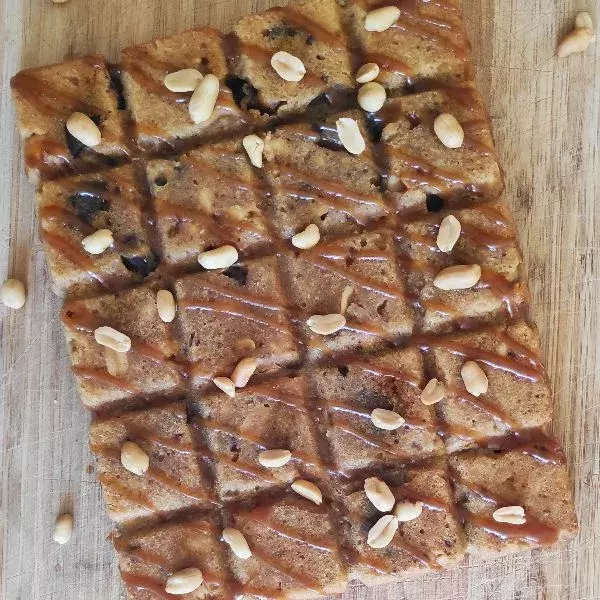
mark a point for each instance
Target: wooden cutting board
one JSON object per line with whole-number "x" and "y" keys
{"x": 546, "y": 116}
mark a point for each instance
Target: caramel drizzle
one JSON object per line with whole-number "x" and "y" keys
{"x": 224, "y": 229}
{"x": 264, "y": 516}
{"x": 484, "y": 406}
{"x": 337, "y": 196}
{"x": 255, "y": 440}
{"x": 40, "y": 153}
{"x": 74, "y": 253}
{"x": 297, "y": 19}
{"x": 532, "y": 372}
{"x": 104, "y": 378}
{"x": 532, "y": 531}
{"x": 267, "y": 392}
{"x": 384, "y": 371}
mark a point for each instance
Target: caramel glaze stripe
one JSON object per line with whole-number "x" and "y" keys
{"x": 101, "y": 377}
{"x": 255, "y": 440}
{"x": 481, "y": 404}
{"x": 532, "y": 531}
{"x": 292, "y": 16}
{"x": 532, "y": 372}
{"x": 264, "y": 516}
{"x": 41, "y": 154}
{"x": 269, "y": 393}
{"x": 226, "y": 225}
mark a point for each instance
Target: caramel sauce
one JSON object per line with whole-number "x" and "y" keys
{"x": 121, "y": 489}
{"x": 100, "y": 377}
{"x": 44, "y": 154}
{"x": 502, "y": 288}
{"x": 293, "y": 17}
{"x": 264, "y": 515}
{"x": 145, "y": 583}
{"x": 271, "y": 395}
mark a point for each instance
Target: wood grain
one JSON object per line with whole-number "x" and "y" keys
{"x": 546, "y": 115}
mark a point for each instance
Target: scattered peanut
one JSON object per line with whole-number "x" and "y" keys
{"x": 408, "y": 511}
{"x": 134, "y": 459}
{"x": 254, "y": 146}
{"x": 433, "y": 392}
{"x": 368, "y": 72}
{"x": 273, "y": 459}
{"x": 165, "y": 304}
{"x": 12, "y": 294}
{"x": 308, "y": 490}
{"x": 184, "y": 581}
{"x": 575, "y": 42}
{"x": 243, "y": 371}
{"x": 448, "y": 233}
{"x": 117, "y": 363}
{"x": 382, "y": 533}
{"x": 449, "y": 130}
{"x": 237, "y": 542}
{"x": 107, "y": 336}
{"x": 184, "y": 80}
{"x": 371, "y": 96}
{"x": 308, "y": 238}
{"x": 83, "y": 129}
{"x": 382, "y": 18}
{"x": 226, "y": 385}
{"x": 288, "y": 66}
{"x": 583, "y": 20}
{"x": 326, "y": 324}
{"x": 98, "y": 242}
{"x": 350, "y": 135}
{"x": 510, "y": 514}
{"x": 203, "y": 100}
{"x": 458, "y": 277}
{"x": 346, "y": 295}
{"x": 379, "y": 494}
{"x": 474, "y": 378}
{"x": 386, "y": 419}
{"x": 219, "y": 258}
{"x": 63, "y": 529}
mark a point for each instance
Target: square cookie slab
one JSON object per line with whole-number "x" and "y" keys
{"x": 487, "y": 241}
{"x": 147, "y": 558}
{"x": 306, "y": 189}
{"x": 270, "y": 415}
{"x": 532, "y": 476}
{"x": 312, "y": 32}
{"x": 422, "y": 171}
{"x": 426, "y": 41}
{"x": 161, "y": 116}
{"x": 175, "y": 478}
{"x": 106, "y": 378}
{"x": 433, "y": 541}
{"x": 347, "y": 394}
{"x": 517, "y": 397}
{"x": 377, "y": 312}
{"x": 45, "y": 97}
{"x": 294, "y": 550}
{"x": 208, "y": 197}
{"x": 71, "y": 208}
{"x": 234, "y": 313}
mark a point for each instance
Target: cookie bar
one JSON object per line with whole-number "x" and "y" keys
{"x": 426, "y": 42}
{"x": 421, "y": 171}
{"x": 45, "y": 97}
{"x": 532, "y": 476}
{"x": 312, "y": 32}
{"x": 208, "y": 197}
{"x": 273, "y": 414}
{"x": 161, "y": 117}
{"x": 71, "y": 208}
{"x": 377, "y": 311}
{"x": 174, "y": 480}
{"x": 147, "y": 558}
{"x": 294, "y": 550}
{"x": 304, "y": 187}
{"x": 106, "y": 378}
{"x": 433, "y": 541}
{"x": 488, "y": 240}
{"x": 348, "y": 393}
{"x": 517, "y": 396}
{"x": 235, "y": 313}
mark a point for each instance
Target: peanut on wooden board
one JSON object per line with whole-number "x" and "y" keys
{"x": 12, "y": 294}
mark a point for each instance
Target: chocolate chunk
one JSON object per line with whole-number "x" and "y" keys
{"x": 434, "y": 203}
{"x": 142, "y": 265}
{"x": 280, "y": 31}
{"x": 238, "y": 273}
{"x": 245, "y": 95}
{"x": 343, "y": 369}
{"x": 89, "y": 200}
